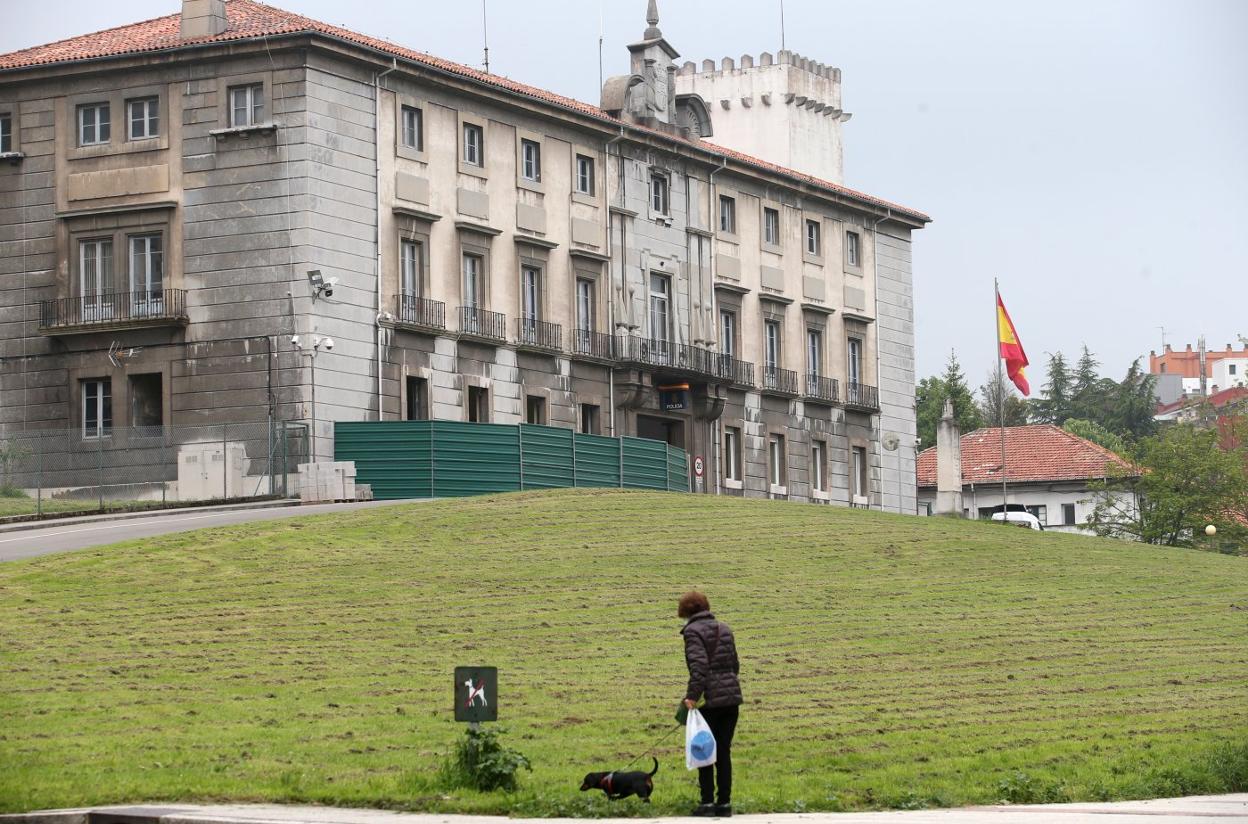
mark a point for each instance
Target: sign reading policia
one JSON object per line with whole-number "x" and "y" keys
{"x": 476, "y": 694}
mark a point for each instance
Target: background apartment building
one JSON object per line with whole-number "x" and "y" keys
{"x": 241, "y": 215}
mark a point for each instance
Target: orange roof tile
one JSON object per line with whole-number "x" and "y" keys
{"x": 248, "y": 19}
{"x": 1034, "y": 454}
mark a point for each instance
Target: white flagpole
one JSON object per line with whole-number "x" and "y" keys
{"x": 996, "y": 317}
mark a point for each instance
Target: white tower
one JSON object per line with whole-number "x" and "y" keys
{"x": 785, "y": 109}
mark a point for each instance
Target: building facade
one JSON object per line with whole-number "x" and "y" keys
{"x": 238, "y": 214}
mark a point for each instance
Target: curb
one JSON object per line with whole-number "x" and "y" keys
{"x": 78, "y": 520}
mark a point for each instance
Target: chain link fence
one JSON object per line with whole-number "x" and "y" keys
{"x": 59, "y": 470}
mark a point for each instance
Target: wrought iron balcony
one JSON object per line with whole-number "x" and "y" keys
{"x": 113, "y": 310}
{"x": 728, "y": 368}
{"x": 482, "y": 324}
{"x": 818, "y": 388}
{"x": 592, "y": 345}
{"x": 779, "y": 381}
{"x": 862, "y": 397}
{"x": 420, "y": 313}
{"x": 539, "y": 334}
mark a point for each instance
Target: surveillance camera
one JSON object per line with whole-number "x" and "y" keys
{"x": 328, "y": 291}
{"x": 294, "y": 340}
{"x": 328, "y": 343}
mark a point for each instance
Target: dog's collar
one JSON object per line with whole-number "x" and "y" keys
{"x": 607, "y": 779}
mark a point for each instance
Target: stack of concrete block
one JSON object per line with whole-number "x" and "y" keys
{"x": 327, "y": 481}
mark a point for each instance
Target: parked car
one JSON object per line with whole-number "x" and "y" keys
{"x": 1024, "y": 520}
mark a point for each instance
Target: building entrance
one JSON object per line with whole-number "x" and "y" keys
{"x": 671, "y": 432}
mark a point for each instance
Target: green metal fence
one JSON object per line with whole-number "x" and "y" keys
{"x": 447, "y": 459}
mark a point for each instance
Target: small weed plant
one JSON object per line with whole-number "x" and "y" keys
{"x": 482, "y": 762}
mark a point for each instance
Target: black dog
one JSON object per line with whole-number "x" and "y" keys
{"x": 622, "y": 784}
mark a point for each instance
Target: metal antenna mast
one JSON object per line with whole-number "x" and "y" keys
{"x": 782, "y": 27}
{"x": 601, "y": 34}
{"x": 485, "y": 30}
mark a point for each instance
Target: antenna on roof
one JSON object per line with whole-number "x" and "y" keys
{"x": 485, "y": 32}
{"x": 601, "y": 35}
{"x": 782, "y": 27}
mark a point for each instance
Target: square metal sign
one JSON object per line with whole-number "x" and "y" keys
{"x": 476, "y": 694}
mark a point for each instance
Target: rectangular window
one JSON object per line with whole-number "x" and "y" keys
{"x": 727, "y": 215}
{"x": 775, "y": 461}
{"x": 531, "y": 160}
{"x": 246, "y": 105}
{"x": 859, "y": 472}
{"x": 659, "y": 194}
{"x": 855, "y": 362}
{"x": 771, "y": 345}
{"x": 146, "y": 401}
{"x": 143, "y": 115}
{"x": 1041, "y": 513}
{"x": 853, "y": 252}
{"x": 472, "y": 281}
{"x": 413, "y": 128}
{"x": 590, "y": 419}
{"x": 1068, "y": 514}
{"x": 814, "y": 241}
{"x": 814, "y": 352}
{"x": 530, "y": 294}
{"x": 94, "y": 127}
{"x": 660, "y": 307}
{"x": 478, "y": 404}
{"x": 584, "y": 305}
{"x": 417, "y": 399}
{"x": 147, "y": 267}
{"x": 1231, "y": 368}
{"x": 535, "y": 410}
{"x": 97, "y": 408}
{"x": 771, "y": 227}
{"x": 732, "y": 453}
{"x": 818, "y": 466}
{"x": 95, "y": 279}
{"x": 585, "y": 175}
{"x": 411, "y": 276}
{"x": 474, "y": 145}
{"x": 6, "y": 132}
{"x": 728, "y": 334}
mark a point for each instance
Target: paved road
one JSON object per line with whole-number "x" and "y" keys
{"x": 1196, "y": 810}
{"x": 65, "y": 537}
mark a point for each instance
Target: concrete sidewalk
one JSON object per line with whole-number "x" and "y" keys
{"x": 1198, "y": 809}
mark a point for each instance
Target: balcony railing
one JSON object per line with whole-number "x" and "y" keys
{"x": 861, "y": 396}
{"x": 420, "y": 312}
{"x": 594, "y": 345}
{"x": 539, "y": 334}
{"x": 160, "y": 307}
{"x": 781, "y": 381}
{"x": 480, "y": 323}
{"x": 728, "y": 368}
{"x": 818, "y": 388}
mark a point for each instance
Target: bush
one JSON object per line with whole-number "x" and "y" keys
{"x": 10, "y": 491}
{"x": 1021, "y": 788}
{"x": 482, "y": 762}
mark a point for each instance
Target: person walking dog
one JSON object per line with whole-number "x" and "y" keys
{"x": 711, "y": 656}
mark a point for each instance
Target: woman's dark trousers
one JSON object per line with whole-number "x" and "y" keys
{"x": 723, "y": 723}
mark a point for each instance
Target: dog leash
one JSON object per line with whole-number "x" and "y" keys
{"x": 653, "y": 747}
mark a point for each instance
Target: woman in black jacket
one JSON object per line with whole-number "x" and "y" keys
{"x": 711, "y": 655}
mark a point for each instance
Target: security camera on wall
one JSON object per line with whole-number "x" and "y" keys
{"x": 294, "y": 340}
{"x": 328, "y": 343}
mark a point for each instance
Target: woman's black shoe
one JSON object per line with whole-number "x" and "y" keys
{"x": 723, "y": 811}
{"x": 705, "y": 811}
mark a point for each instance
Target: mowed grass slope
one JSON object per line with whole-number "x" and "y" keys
{"x": 886, "y": 661}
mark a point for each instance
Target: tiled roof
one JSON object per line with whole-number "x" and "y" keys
{"x": 1217, "y": 400}
{"x": 1034, "y": 454}
{"x": 249, "y": 20}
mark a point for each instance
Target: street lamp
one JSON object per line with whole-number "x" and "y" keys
{"x": 312, "y": 349}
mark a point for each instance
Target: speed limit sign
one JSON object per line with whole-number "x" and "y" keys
{"x": 699, "y": 466}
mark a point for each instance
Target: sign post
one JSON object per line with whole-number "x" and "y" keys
{"x": 699, "y": 472}
{"x": 476, "y": 694}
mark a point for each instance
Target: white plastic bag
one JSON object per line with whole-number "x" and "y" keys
{"x": 700, "y": 749}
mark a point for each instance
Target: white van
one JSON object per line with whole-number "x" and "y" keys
{"x": 1024, "y": 520}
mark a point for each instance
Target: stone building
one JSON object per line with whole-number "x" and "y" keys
{"x": 241, "y": 214}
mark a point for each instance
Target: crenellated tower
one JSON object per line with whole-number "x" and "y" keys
{"x": 784, "y": 108}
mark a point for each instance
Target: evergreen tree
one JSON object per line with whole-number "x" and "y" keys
{"x": 930, "y": 397}
{"x": 1133, "y": 404}
{"x": 1055, "y": 405}
{"x": 998, "y": 391}
{"x": 965, "y": 411}
{"x": 1086, "y": 396}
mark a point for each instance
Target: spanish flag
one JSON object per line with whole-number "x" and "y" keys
{"x": 1011, "y": 350}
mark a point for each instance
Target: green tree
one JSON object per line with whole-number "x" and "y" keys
{"x": 930, "y": 397}
{"x": 998, "y": 391}
{"x": 1185, "y": 482}
{"x": 1097, "y": 434}
{"x": 1055, "y": 404}
{"x": 1088, "y": 391}
{"x": 1133, "y": 404}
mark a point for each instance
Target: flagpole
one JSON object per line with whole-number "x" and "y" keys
{"x": 996, "y": 314}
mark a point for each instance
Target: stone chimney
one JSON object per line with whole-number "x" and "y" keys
{"x": 202, "y": 18}
{"x": 948, "y": 464}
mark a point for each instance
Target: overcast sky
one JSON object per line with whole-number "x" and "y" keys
{"x": 1091, "y": 154}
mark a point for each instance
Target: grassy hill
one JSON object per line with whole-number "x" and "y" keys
{"x": 887, "y": 661}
